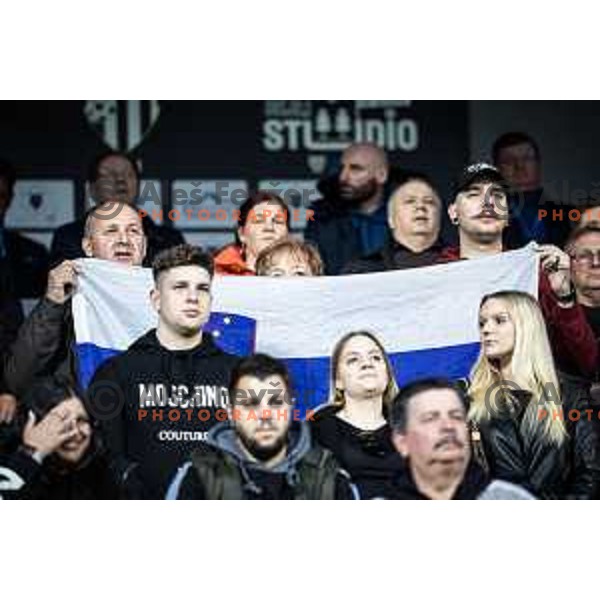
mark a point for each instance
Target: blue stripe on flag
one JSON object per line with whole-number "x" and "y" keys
{"x": 310, "y": 376}
{"x": 235, "y": 334}
{"x": 89, "y": 358}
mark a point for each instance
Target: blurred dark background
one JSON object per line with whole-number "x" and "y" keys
{"x": 280, "y": 145}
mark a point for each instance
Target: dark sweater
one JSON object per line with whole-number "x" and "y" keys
{"x": 150, "y": 378}
{"x": 368, "y": 456}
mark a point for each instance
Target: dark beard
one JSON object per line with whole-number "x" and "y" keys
{"x": 354, "y": 197}
{"x": 260, "y": 452}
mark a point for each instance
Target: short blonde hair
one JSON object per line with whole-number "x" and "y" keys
{"x": 303, "y": 251}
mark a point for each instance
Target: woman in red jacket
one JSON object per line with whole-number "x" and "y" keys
{"x": 263, "y": 219}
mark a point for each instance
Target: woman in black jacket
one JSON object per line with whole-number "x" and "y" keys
{"x": 57, "y": 454}
{"x": 525, "y": 428}
{"x": 353, "y": 425}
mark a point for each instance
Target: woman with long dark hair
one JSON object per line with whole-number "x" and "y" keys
{"x": 58, "y": 453}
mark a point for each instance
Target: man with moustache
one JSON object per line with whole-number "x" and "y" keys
{"x": 430, "y": 431}
{"x": 479, "y": 211}
{"x": 354, "y": 222}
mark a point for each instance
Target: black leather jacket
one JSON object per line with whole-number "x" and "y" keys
{"x": 527, "y": 458}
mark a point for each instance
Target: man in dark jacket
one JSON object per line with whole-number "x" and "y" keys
{"x": 517, "y": 157}
{"x": 11, "y": 317}
{"x": 44, "y": 344}
{"x": 27, "y": 260}
{"x": 112, "y": 176}
{"x": 164, "y": 393}
{"x": 429, "y": 429}
{"x": 262, "y": 452}
{"x": 351, "y": 220}
{"x": 479, "y": 212}
{"x": 583, "y": 246}
{"x": 414, "y": 219}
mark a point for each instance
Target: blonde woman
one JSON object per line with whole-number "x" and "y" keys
{"x": 524, "y": 427}
{"x": 353, "y": 425}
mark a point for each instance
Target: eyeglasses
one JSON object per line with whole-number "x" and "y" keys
{"x": 586, "y": 257}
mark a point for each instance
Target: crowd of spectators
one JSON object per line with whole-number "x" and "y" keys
{"x": 431, "y": 439}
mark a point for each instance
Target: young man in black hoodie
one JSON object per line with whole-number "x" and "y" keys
{"x": 162, "y": 395}
{"x": 430, "y": 431}
{"x": 262, "y": 452}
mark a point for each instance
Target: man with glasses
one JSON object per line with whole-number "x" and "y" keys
{"x": 584, "y": 249}
{"x": 583, "y": 246}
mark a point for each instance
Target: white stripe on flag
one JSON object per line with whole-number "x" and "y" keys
{"x": 430, "y": 307}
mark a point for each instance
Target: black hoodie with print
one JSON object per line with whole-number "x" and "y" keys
{"x": 220, "y": 470}
{"x": 155, "y": 405}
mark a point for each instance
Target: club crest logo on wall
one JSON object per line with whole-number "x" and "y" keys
{"x": 122, "y": 124}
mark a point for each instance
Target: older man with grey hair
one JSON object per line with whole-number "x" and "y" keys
{"x": 44, "y": 345}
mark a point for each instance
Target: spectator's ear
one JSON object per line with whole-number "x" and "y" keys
{"x": 155, "y": 299}
{"x": 90, "y": 192}
{"x": 399, "y": 442}
{"x": 86, "y": 244}
{"x": 453, "y": 213}
{"x": 241, "y": 235}
{"x": 390, "y": 212}
{"x": 144, "y": 248}
{"x": 381, "y": 175}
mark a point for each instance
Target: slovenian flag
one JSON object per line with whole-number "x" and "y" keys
{"x": 426, "y": 318}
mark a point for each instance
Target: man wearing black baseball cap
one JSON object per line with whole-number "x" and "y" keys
{"x": 479, "y": 210}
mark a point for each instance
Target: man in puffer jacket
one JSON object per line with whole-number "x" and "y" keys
{"x": 263, "y": 452}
